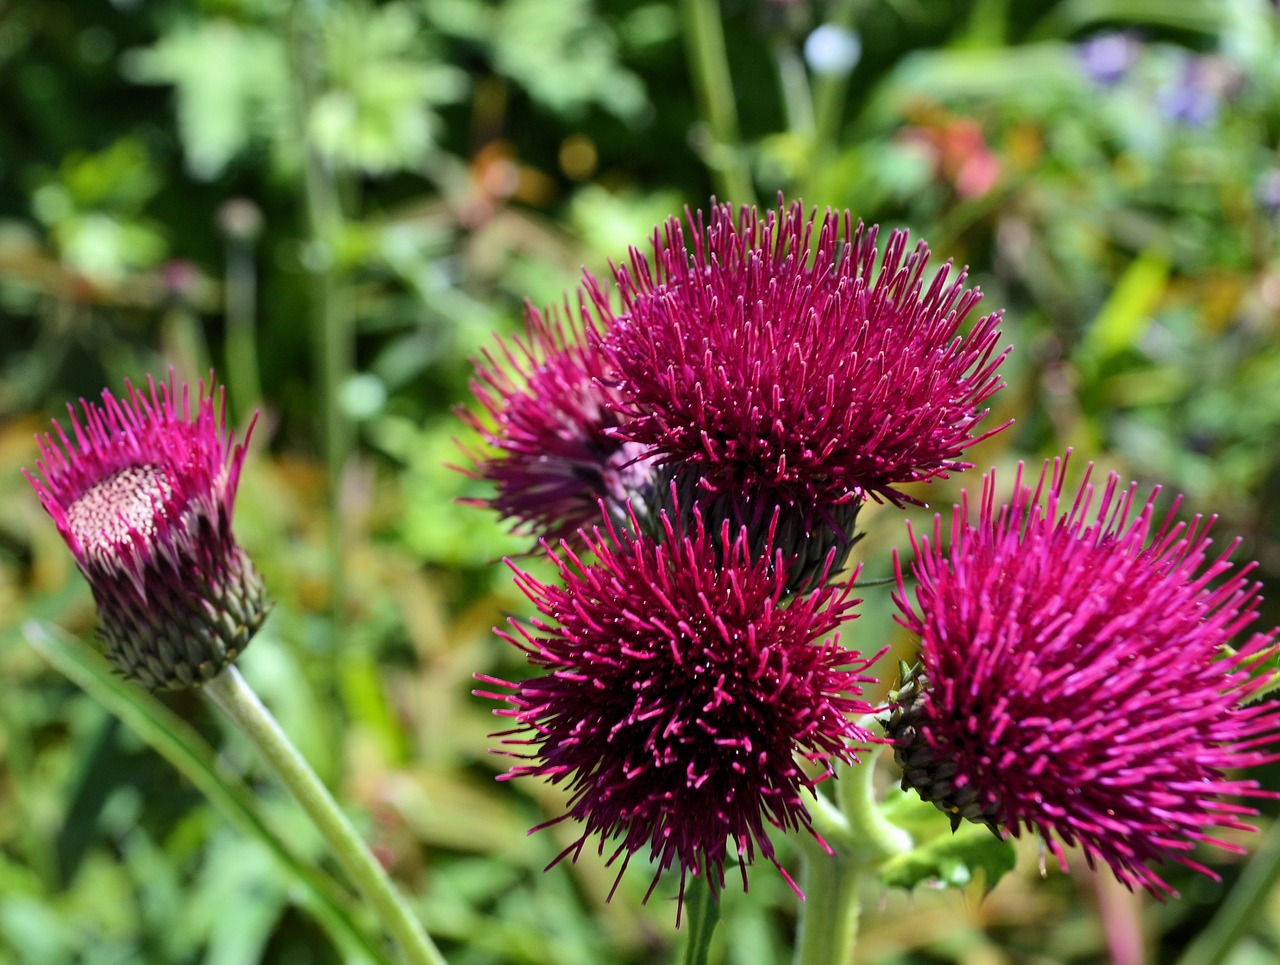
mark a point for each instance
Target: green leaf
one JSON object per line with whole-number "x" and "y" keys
{"x": 561, "y": 52}
{"x": 378, "y": 112}
{"x": 238, "y": 902}
{"x": 178, "y": 743}
{"x": 1072, "y": 16}
{"x": 969, "y": 855}
{"x": 232, "y": 88}
{"x": 1128, "y": 313}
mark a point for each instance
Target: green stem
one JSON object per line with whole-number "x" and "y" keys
{"x": 876, "y": 838}
{"x": 177, "y": 742}
{"x": 1242, "y": 907}
{"x": 860, "y": 838}
{"x": 831, "y": 909}
{"x": 229, "y": 692}
{"x": 333, "y": 339}
{"x": 797, "y": 97}
{"x": 713, "y": 85}
{"x": 704, "y": 914}
{"x": 241, "y": 337}
{"x": 831, "y": 94}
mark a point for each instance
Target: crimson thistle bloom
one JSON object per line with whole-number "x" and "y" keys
{"x": 143, "y": 497}
{"x": 1075, "y": 676}
{"x": 771, "y": 364}
{"x": 680, "y": 685}
{"x": 551, "y": 410}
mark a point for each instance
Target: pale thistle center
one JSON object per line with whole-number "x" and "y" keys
{"x": 130, "y": 500}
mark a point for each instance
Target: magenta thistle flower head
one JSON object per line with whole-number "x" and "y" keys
{"x": 1075, "y": 677}
{"x": 680, "y": 687}
{"x": 142, "y": 493}
{"x": 772, "y": 357}
{"x": 552, "y": 407}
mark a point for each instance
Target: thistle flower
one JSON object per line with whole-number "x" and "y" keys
{"x": 143, "y": 495}
{"x": 1076, "y": 679}
{"x": 551, "y": 410}
{"x": 769, "y": 357}
{"x": 680, "y": 686}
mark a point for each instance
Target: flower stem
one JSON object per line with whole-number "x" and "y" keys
{"x": 831, "y": 909}
{"x": 229, "y": 692}
{"x": 333, "y": 341}
{"x": 704, "y": 915}
{"x": 1242, "y": 907}
{"x": 876, "y": 838}
{"x": 713, "y": 85}
{"x": 793, "y": 83}
{"x": 830, "y": 95}
{"x": 860, "y": 838}
{"x": 241, "y": 339}
{"x": 177, "y": 742}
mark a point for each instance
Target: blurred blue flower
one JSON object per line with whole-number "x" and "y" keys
{"x": 832, "y": 50}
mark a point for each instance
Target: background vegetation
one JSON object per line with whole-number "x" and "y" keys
{"x": 336, "y": 202}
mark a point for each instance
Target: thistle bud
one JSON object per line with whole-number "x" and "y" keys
{"x": 143, "y": 496}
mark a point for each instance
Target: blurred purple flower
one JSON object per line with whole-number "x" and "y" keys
{"x": 1107, "y": 57}
{"x": 1195, "y": 97}
{"x": 1075, "y": 677}
{"x": 552, "y": 406}
{"x": 1188, "y": 103}
{"x": 1268, "y": 191}
{"x": 143, "y": 496}
{"x": 180, "y": 278}
{"x": 680, "y": 683}
{"x": 770, "y": 358}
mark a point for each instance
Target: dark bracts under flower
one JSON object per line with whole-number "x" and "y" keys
{"x": 143, "y": 497}
{"x": 770, "y": 356}
{"x": 551, "y": 409}
{"x": 815, "y": 540}
{"x": 680, "y": 687}
{"x": 1076, "y": 679}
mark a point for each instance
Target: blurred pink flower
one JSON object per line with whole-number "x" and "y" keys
{"x": 959, "y": 153}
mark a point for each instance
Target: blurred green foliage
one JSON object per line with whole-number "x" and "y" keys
{"x": 335, "y": 203}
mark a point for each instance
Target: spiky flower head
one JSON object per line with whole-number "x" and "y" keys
{"x": 770, "y": 356}
{"x": 551, "y": 408}
{"x": 1076, "y": 679}
{"x": 681, "y": 686}
{"x": 142, "y": 493}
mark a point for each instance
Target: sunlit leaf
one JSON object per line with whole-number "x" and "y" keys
{"x": 970, "y": 855}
